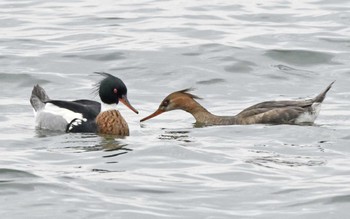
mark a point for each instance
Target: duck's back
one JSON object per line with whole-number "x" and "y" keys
{"x": 280, "y": 112}
{"x": 280, "y": 115}
{"x": 283, "y": 112}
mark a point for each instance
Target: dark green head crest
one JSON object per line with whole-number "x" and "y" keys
{"x": 111, "y": 88}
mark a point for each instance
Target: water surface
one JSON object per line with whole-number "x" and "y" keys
{"x": 234, "y": 53}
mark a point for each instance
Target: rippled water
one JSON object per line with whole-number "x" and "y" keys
{"x": 235, "y": 53}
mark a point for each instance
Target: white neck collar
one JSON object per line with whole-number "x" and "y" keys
{"x": 106, "y": 107}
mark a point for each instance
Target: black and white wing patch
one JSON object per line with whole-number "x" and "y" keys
{"x": 82, "y": 126}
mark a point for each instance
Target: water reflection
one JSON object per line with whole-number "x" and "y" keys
{"x": 82, "y": 142}
{"x": 104, "y": 143}
{"x": 111, "y": 144}
{"x": 175, "y": 135}
{"x": 211, "y": 81}
{"x": 294, "y": 71}
{"x": 300, "y": 57}
{"x": 274, "y": 160}
{"x": 42, "y": 133}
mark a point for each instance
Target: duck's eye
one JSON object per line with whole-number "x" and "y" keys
{"x": 165, "y": 103}
{"x": 115, "y": 90}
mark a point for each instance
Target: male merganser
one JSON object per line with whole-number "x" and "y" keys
{"x": 270, "y": 112}
{"x": 84, "y": 115}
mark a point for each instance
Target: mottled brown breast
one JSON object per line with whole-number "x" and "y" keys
{"x": 111, "y": 122}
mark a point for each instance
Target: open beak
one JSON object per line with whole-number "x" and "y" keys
{"x": 126, "y": 102}
{"x": 156, "y": 113}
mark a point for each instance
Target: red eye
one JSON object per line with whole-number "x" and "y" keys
{"x": 115, "y": 90}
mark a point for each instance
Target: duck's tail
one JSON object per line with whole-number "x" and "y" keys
{"x": 38, "y": 98}
{"x": 322, "y": 95}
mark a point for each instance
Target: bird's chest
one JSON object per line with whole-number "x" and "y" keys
{"x": 111, "y": 122}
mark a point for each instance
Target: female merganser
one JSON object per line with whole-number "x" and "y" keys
{"x": 270, "y": 112}
{"x": 84, "y": 115}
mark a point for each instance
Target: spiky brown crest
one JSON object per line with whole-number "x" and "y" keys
{"x": 186, "y": 92}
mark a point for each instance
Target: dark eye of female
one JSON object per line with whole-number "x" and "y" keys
{"x": 165, "y": 103}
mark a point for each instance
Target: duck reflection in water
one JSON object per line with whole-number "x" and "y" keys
{"x": 109, "y": 143}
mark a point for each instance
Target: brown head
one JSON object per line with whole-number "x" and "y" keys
{"x": 178, "y": 100}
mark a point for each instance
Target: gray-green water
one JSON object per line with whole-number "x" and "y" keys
{"x": 235, "y": 53}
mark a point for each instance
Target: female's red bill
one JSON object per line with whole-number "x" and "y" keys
{"x": 156, "y": 113}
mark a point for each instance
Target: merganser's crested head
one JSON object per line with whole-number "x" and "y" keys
{"x": 177, "y": 100}
{"x": 112, "y": 90}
